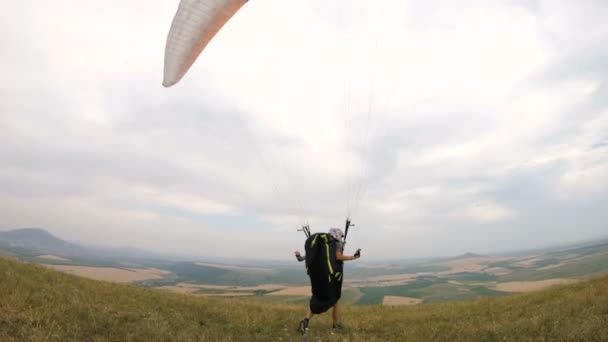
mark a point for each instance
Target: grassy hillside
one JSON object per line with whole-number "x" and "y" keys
{"x": 37, "y": 304}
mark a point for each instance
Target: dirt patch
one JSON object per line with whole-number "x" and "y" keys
{"x": 178, "y": 289}
{"x": 551, "y": 266}
{"x": 119, "y": 275}
{"x": 226, "y": 294}
{"x": 235, "y": 268}
{"x": 230, "y": 291}
{"x": 497, "y": 270}
{"x": 384, "y": 280}
{"x": 203, "y": 286}
{"x": 398, "y": 300}
{"x": 464, "y": 265}
{"x": 392, "y": 277}
{"x": 527, "y": 286}
{"x": 379, "y": 266}
{"x": 158, "y": 271}
{"x": 292, "y": 291}
{"x": 52, "y": 257}
{"x": 263, "y": 287}
{"x": 191, "y": 288}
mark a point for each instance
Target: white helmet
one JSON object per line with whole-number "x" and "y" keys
{"x": 336, "y": 233}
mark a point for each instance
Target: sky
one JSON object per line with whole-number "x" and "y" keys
{"x": 440, "y": 127}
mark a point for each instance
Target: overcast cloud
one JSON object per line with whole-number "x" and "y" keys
{"x": 441, "y": 127}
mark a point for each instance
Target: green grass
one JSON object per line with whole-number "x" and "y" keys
{"x": 192, "y": 272}
{"x": 38, "y": 304}
{"x": 32, "y": 256}
{"x": 450, "y": 292}
{"x": 374, "y": 295}
{"x": 429, "y": 290}
{"x": 75, "y": 262}
{"x": 279, "y": 299}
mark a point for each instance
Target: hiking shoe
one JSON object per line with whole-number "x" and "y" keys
{"x": 303, "y": 327}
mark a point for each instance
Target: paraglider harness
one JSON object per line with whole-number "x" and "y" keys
{"x": 324, "y": 270}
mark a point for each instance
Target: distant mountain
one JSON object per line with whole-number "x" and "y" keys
{"x": 39, "y": 241}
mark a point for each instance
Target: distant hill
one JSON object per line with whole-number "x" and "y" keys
{"x": 468, "y": 255}
{"x": 41, "y": 304}
{"x": 38, "y": 241}
{"x": 554, "y": 248}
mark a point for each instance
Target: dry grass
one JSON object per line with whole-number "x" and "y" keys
{"x": 39, "y": 304}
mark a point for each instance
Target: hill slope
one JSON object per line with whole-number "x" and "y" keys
{"x": 41, "y": 304}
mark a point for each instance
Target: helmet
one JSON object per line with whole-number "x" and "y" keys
{"x": 336, "y": 233}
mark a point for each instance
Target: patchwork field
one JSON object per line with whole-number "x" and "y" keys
{"x": 52, "y": 257}
{"x": 222, "y": 290}
{"x": 527, "y": 286}
{"x": 382, "y": 280}
{"x": 119, "y": 275}
{"x": 235, "y": 267}
{"x": 475, "y": 264}
{"x": 465, "y": 277}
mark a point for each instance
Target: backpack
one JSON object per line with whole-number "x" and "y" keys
{"x": 324, "y": 270}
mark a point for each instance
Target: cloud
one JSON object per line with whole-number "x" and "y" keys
{"x": 449, "y": 128}
{"x": 487, "y": 212}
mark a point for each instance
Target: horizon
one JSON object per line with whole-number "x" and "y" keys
{"x": 289, "y": 258}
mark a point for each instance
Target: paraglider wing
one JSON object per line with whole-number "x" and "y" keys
{"x": 194, "y": 25}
